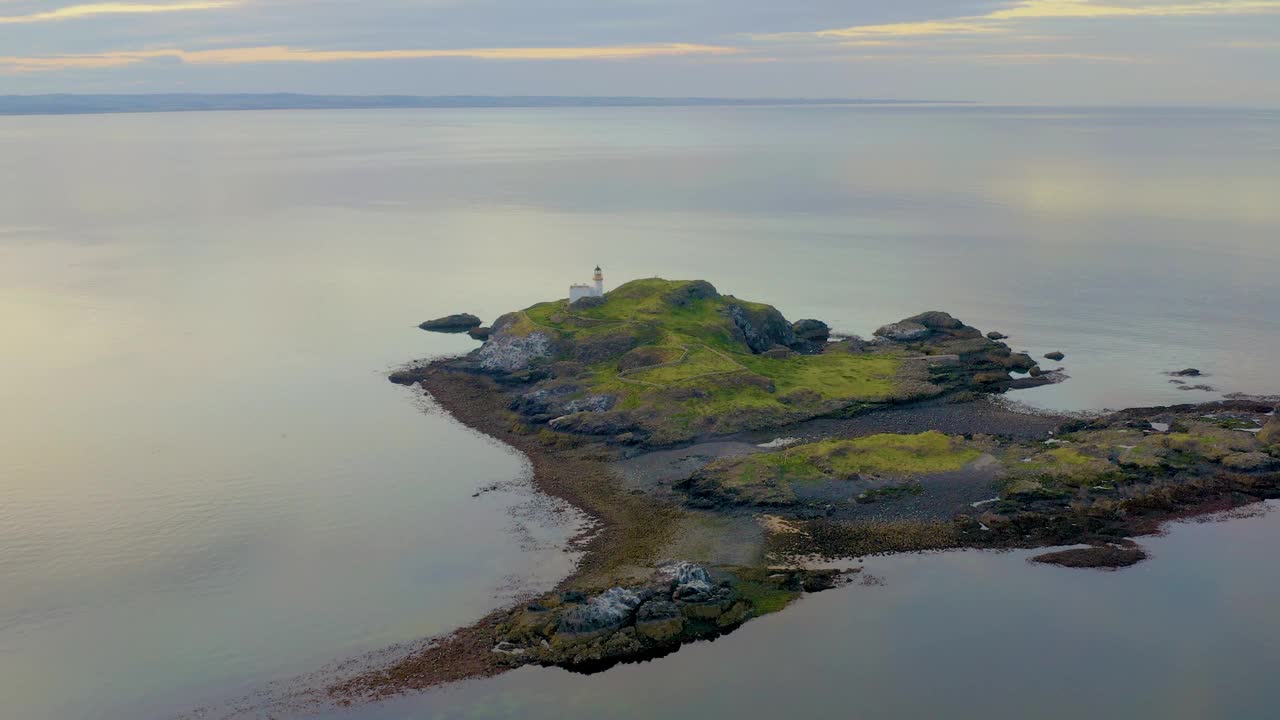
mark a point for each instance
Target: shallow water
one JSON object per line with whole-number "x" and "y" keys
{"x": 969, "y": 634}
{"x": 206, "y": 482}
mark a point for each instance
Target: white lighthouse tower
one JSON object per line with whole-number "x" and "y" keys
{"x": 578, "y": 291}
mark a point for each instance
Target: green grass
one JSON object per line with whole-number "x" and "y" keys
{"x": 892, "y": 454}
{"x": 698, "y": 361}
{"x": 880, "y": 455}
{"x": 719, "y": 385}
{"x": 834, "y": 375}
{"x": 764, "y": 598}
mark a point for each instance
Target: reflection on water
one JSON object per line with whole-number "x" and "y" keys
{"x": 205, "y": 480}
{"x": 1188, "y": 635}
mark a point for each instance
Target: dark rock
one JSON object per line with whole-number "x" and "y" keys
{"x": 659, "y": 621}
{"x": 1105, "y": 556}
{"x": 1055, "y": 356}
{"x": 1036, "y": 372}
{"x": 930, "y": 325}
{"x": 1188, "y": 372}
{"x": 937, "y": 320}
{"x": 761, "y": 327}
{"x": 993, "y": 335}
{"x": 594, "y": 423}
{"x": 811, "y": 335}
{"x": 407, "y": 377}
{"x": 1020, "y": 362}
{"x": 480, "y": 333}
{"x": 690, "y": 292}
{"x": 452, "y": 323}
{"x": 591, "y": 301}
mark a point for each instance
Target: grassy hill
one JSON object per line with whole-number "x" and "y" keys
{"x": 663, "y": 361}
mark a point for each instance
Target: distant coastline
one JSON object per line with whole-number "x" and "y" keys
{"x": 74, "y": 104}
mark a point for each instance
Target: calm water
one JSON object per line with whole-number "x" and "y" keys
{"x": 205, "y": 481}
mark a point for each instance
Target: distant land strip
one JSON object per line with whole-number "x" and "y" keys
{"x": 148, "y": 103}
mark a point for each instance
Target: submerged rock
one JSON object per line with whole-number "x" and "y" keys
{"x": 993, "y": 335}
{"x": 1189, "y": 372}
{"x": 1103, "y": 556}
{"x": 461, "y": 322}
{"x": 1056, "y": 356}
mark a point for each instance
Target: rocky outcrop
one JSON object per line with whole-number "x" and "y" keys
{"x": 509, "y": 349}
{"x": 682, "y": 602}
{"x": 1055, "y": 356}
{"x": 993, "y": 335}
{"x": 761, "y": 327}
{"x": 811, "y": 335}
{"x": 690, "y": 292}
{"x": 553, "y": 402}
{"x": 452, "y": 323}
{"x": 659, "y": 621}
{"x": 609, "y": 610}
{"x": 931, "y": 325}
{"x": 480, "y": 333}
{"x": 590, "y": 301}
{"x": 903, "y": 332}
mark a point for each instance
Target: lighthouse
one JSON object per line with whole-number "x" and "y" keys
{"x": 579, "y": 291}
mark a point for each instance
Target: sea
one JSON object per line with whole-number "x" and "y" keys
{"x": 208, "y": 486}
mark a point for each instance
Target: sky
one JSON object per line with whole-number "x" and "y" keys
{"x": 1139, "y": 52}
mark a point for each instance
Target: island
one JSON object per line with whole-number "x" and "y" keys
{"x": 722, "y": 452}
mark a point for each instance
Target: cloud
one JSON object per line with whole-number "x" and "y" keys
{"x": 73, "y": 12}
{"x": 285, "y": 54}
{"x": 906, "y": 29}
{"x": 1090, "y": 9}
{"x": 1000, "y": 21}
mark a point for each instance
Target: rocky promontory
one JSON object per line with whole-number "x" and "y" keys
{"x": 695, "y": 425}
{"x": 459, "y": 323}
{"x": 659, "y": 362}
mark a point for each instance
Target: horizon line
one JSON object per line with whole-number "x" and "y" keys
{"x": 111, "y": 103}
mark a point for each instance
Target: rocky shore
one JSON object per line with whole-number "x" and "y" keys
{"x": 717, "y": 447}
